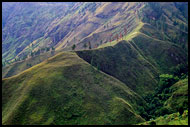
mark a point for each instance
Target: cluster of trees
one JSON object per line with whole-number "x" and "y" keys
{"x": 39, "y": 51}
{"x": 118, "y": 36}
{"x": 181, "y": 26}
{"x": 156, "y": 100}
{"x": 107, "y": 25}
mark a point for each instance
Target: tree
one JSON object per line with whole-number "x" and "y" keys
{"x": 85, "y": 45}
{"x": 166, "y": 81}
{"x": 175, "y": 23}
{"x": 179, "y": 70}
{"x": 121, "y": 36}
{"x": 28, "y": 65}
{"x": 125, "y": 30}
{"x": 91, "y": 61}
{"x": 181, "y": 110}
{"x": 89, "y": 44}
{"x": 152, "y": 123}
{"x": 117, "y": 36}
{"x": 32, "y": 54}
{"x": 73, "y": 47}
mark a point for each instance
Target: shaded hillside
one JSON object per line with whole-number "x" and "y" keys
{"x": 67, "y": 90}
{"x": 136, "y": 62}
{"x": 170, "y": 19}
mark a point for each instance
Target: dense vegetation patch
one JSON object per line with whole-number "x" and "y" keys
{"x": 170, "y": 96}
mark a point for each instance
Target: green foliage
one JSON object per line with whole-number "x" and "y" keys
{"x": 181, "y": 110}
{"x": 181, "y": 70}
{"x": 152, "y": 123}
{"x": 171, "y": 119}
{"x": 89, "y": 44}
{"x": 166, "y": 81}
{"x": 73, "y": 47}
{"x": 29, "y": 65}
{"x": 175, "y": 23}
{"x": 156, "y": 101}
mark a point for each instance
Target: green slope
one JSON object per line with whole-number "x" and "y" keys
{"x": 137, "y": 62}
{"x": 22, "y": 65}
{"x": 67, "y": 90}
{"x": 171, "y": 119}
{"x": 179, "y": 96}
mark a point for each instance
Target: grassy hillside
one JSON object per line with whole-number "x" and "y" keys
{"x": 125, "y": 63}
{"x": 179, "y": 96}
{"x": 22, "y": 65}
{"x": 137, "y": 61}
{"x": 65, "y": 89}
{"x": 172, "y": 119}
{"x": 128, "y": 64}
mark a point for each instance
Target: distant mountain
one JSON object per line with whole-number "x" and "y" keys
{"x": 28, "y": 27}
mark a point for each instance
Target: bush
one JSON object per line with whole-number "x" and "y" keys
{"x": 166, "y": 81}
{"x": 73, "y": 47}
{"x": 180, "y": 70}
{"x": 181, "y": 110}
{"x": 153, "y": 123}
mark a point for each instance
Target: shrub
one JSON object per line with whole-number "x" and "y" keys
{"x": 73, "y": 47}
{"x": 181, "y": 110}
{"x": 153, "y": 123}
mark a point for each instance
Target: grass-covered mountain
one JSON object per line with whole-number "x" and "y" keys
{"x": 128, "y": 64}
{"x": 73, "y": 93}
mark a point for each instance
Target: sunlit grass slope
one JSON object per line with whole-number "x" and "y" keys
{"x": 67, "y": 90}
{"x": 20, "y": 66}
{"x": 179, "y": 95}
{"x": 172, "y": 119}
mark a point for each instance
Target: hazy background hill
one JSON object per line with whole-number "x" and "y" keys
{"x": 29, "y": 27}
